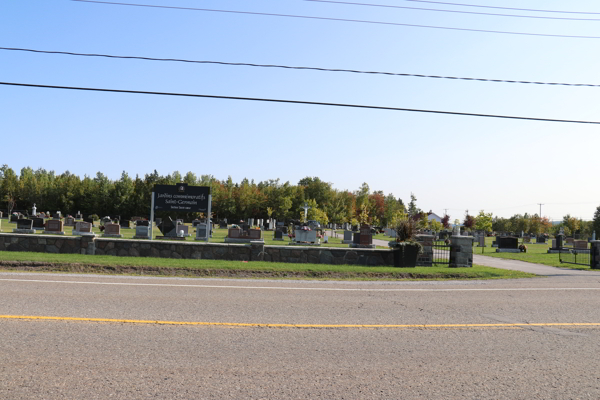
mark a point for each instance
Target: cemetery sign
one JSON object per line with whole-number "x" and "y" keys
{"x": 181, "y": 197}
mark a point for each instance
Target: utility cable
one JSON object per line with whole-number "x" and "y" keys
{"x": 299, "y": 102}
{"x": 505, "y": 8}
{"x": 340, "y": 20}
{"x": 292, "y": 67}
{"x": 453, "y": 11}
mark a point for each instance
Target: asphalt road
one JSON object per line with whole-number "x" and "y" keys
{"x": 214, "y": 338}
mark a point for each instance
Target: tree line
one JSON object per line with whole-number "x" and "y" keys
{"x": 130, "y": 197}
{"x": 235, "y": 201}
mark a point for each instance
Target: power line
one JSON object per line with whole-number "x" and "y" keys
{"x": 453, "y": 11}
{"x": 300, "y": 102}
{"x": 293, "y": 67}
{"x": 339, "y": 20}
{"x": 505, "y": 8}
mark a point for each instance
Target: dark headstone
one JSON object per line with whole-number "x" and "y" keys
{"x": 88, "y": 220}
{"x": 366, "y": 237}
{"x": 168, "y": 228}
{"x": 195, "y": 222}
{"x": 541, "y": 239}
{"x": 124, "y": 223}
{"x": 559, "y": 241}
{"x": 278, "y": 234}
{"x": 508, "y": 242}
{"x": 223, "y": 225}
{"x": 142, "y": 223}
{"x": 38, "y": 223}
{"x": 24, "y": 224}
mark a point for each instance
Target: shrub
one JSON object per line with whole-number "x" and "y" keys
{"x": 406, "y": 230}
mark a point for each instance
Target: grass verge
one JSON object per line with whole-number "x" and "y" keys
{"x": 25, "y": 261}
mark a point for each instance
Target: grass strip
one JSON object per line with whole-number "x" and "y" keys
{"x": 26, "y": 261}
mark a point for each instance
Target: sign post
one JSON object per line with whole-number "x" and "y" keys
{"x": 151, "y": 214}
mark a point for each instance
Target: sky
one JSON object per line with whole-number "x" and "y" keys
{"x": 451, "y": 163}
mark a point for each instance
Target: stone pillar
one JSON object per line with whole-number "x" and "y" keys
{"x": 88, "y": 245}
{"x": 461, "y": 251}
{"x": 425, "y": 259}
{"x": 595, "y": 254}
{"x": 257, "y": 251}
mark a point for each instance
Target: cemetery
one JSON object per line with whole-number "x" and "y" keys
{"x": 177, "y": 227}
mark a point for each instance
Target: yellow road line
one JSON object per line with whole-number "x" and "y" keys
{"x": 261, "y": 325}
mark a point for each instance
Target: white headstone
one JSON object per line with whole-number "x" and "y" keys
{"x": 34, "y": 210}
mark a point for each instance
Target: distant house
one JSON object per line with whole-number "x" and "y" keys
{"x": 432, "y": 216}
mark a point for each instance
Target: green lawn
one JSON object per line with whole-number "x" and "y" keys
{"x": 174, "y": 267}
{"x": 536, "y": 253}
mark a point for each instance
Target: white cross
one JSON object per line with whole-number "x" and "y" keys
{"x": 306, "y": 208}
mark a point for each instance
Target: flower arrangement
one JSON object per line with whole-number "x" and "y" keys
{"x": 523, "y": 248}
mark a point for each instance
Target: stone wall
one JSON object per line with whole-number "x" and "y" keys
{"x": 46, "y": 243}
{"x": 194, "y": 250}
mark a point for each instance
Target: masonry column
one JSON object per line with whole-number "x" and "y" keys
{"x": 257, "y": 251}
{"x": 461, "y": 251}
{"x": 88, "y": 245}
{"x": 425, "y": 259}
{"x": 595, "y": 254}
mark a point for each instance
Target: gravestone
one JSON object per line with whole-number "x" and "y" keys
{"x": 142, "y": 223}
{"x": 223, "y": 225}
{"x": 526, "y": 239}
{"x": 24, "y": 226}
{"x": 57, "y": 215}
{"x": 541, "y": 239}
{"x": 580, "y": 244}
{"x": 508, "y": 244}
{"x": 158, "y": 221}
{"x": 481, "y": 241}
{"x": 303, "y": 236}
{"x": 254, "y": 233}
{"x": 234, "y": 233}
{"x": 112, "y": 230}
{"x": 195, "y": 223}
{"x": 201, "y": 232}
{"x": 182, "y": 230}
{"x": 570, "y": 241}
{"x": 366, "y": 237}
{"x": 89, "y": 220}
{"x": 78, "y": 215}
{"x": 168, "y": 228}
{"x": 251, "y": 221}
{"x": 38, "y": 223}
{"x": 347, "y": 237}
{"x": 278, "y": 235}
{"x": 124, "y": 223}
{"x": 83, "y": 228}
{"x": 69, "y": 221}
{"x": 14, "y": 218}
{"x": 142, "y": 232}
{"x": 54, "y": 227}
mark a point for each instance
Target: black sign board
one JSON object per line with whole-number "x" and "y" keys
{"x": 181, "y": 197}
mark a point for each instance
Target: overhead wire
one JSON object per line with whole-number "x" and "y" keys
{"x": 505, "y": 8}
{"x": 451, "y": 11}
{"x": 295, "y": 67}
{"x": 341, "y": 20}
{"x": 362, "y": 106}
